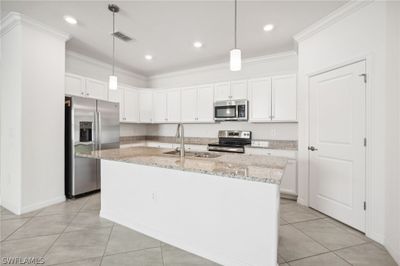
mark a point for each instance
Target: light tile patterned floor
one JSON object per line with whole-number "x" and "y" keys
{"x": 72, "y": 233}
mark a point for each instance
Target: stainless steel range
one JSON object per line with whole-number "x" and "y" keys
{"x": 231, "y": 141}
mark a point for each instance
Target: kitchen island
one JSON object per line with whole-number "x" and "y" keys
{"x": 224, "y": 207}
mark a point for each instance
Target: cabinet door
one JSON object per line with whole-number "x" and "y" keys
{"x": 173, "y": 106}
{"x": 239, "y": 89}
{"x": 96, "y": 89}
{"x": 160, "y": 107}
{"x": 222, "y": 91}
{"x": 260, "y": 99}
{"x": 117, "y": 96}
{"x": 131, "y": 105}
{"x": 289, "y": 179}
{"x": 74, "y": 85}
{"x": 205, "y": 103}
{"x": 284, "y": 98}
{"x": 189, "y": 105}
{"x": 146, "y": 106}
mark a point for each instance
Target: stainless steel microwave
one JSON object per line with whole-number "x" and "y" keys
{"x": 231, "y": 110}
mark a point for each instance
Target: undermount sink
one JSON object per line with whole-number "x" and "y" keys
{"x": 195, "y": 154}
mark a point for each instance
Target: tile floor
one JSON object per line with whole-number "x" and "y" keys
{"x": 72, "y": 233}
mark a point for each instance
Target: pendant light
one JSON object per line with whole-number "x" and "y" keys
{"x": 113, "y": 80}
{"x": 235, "y": 54}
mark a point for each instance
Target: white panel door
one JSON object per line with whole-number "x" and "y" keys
{"x": 173, "y": 106}
{"x": 189, "y": 105}
{"x": 284, "y": 98}
{"x": 96, "y": 89}
{"x": 337, "y": 152}
{"x": 131, "y": 105}
{"x": 74, "y": 85}
{"x": 160, "y": 106}
{"x": 205, "y": 103}
{"x": 222, "y": 91}
{"x": 146, "y": 106}
{"x": 239, "y": 89}
{"x": 260, "y": 99}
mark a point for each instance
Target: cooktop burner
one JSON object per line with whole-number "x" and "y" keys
{"x": 231, "y": 141}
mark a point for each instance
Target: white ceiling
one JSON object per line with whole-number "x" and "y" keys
{"x": 167, "y": 29}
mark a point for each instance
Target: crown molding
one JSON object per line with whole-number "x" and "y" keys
{"x": 13, "y": 19}
{"x": 342, "y": 12}
{"x": 251, "y": 60}
{"x": 102, "y": 64}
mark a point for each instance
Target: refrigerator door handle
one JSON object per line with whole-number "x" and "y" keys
{"x": 98, "y": 130}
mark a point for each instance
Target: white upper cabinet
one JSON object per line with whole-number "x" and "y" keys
{"x": 74, "y": 85}
{"x": 96, "y": 89}
{"x": 260, "y": 99}
{"x": 205, "y": 103}
{"x": 117, "y": 96}
{"x": 131, "y": 105}
{"x": 146, "y": 106}
{"x": 284, "y": 98}
{"x": 160, "y": 106}
{"x": 189, "y": 104}
{"x": 173, "y": 106}
{"x": 84, "y": 87}
{"x": 230, "y": 90}
{"x": 239, "y": 89}
{"x": 222, "y": 91}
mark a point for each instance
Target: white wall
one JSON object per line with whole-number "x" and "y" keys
{"x": 32, "y": 150}
{"x": 85, "y": 66}
{"x": 10, "y": 117}
{"x": 284, "y": 63}
{"x": 277, "y": 131}
{"x": 392, "y": 217}
{"x": 347, "y": 37}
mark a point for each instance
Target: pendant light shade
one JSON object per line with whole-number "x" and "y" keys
{"x": 113, "y": 80}
{"x": 113, "y": 83}
{"x": 235, "y": 54}
{"x": 236, "y": 60}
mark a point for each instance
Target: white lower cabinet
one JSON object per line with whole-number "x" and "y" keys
{"x": 289, "y": 179}
{"x": 146, "y": 106}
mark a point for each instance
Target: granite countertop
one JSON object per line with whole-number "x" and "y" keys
{"x": 258, "y": 168}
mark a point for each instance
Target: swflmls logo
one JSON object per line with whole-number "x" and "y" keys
{"x": 22, "y": 260}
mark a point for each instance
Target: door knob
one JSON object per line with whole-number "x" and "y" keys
{"x": 312, "y": 148}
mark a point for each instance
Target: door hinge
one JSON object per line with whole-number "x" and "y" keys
{"x": 365, "y": 142}
{"x": 365, "y": 205}
{"x": 364, "y": 76}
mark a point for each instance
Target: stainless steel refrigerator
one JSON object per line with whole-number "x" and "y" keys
{"x": 89, "y": 125}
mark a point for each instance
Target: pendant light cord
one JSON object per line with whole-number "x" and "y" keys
{"x": 235, "y": 24}
{"x": 113, "y": 44}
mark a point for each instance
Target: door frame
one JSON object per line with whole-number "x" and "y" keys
{"x": 370, "y": 177}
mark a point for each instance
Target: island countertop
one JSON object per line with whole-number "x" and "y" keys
{"x": 258, "y": 168}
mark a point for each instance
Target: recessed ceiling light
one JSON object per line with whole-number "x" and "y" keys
{"x": 148, "y": 57}
{"x": 197, "y": 44}
{"x": 269, "y": 27}
{"x": 70, "y": 20}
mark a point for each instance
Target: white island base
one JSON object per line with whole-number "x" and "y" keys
{"x": 230, "y": 221}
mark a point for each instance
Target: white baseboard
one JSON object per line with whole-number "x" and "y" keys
{"x": 376, "y": 237}
{"x": 39, "y": 205}
{"x": 11, "y": 207}
{"x": 302, "y": 201}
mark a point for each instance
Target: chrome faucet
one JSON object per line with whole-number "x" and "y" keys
{"x": 180, "y": 134}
